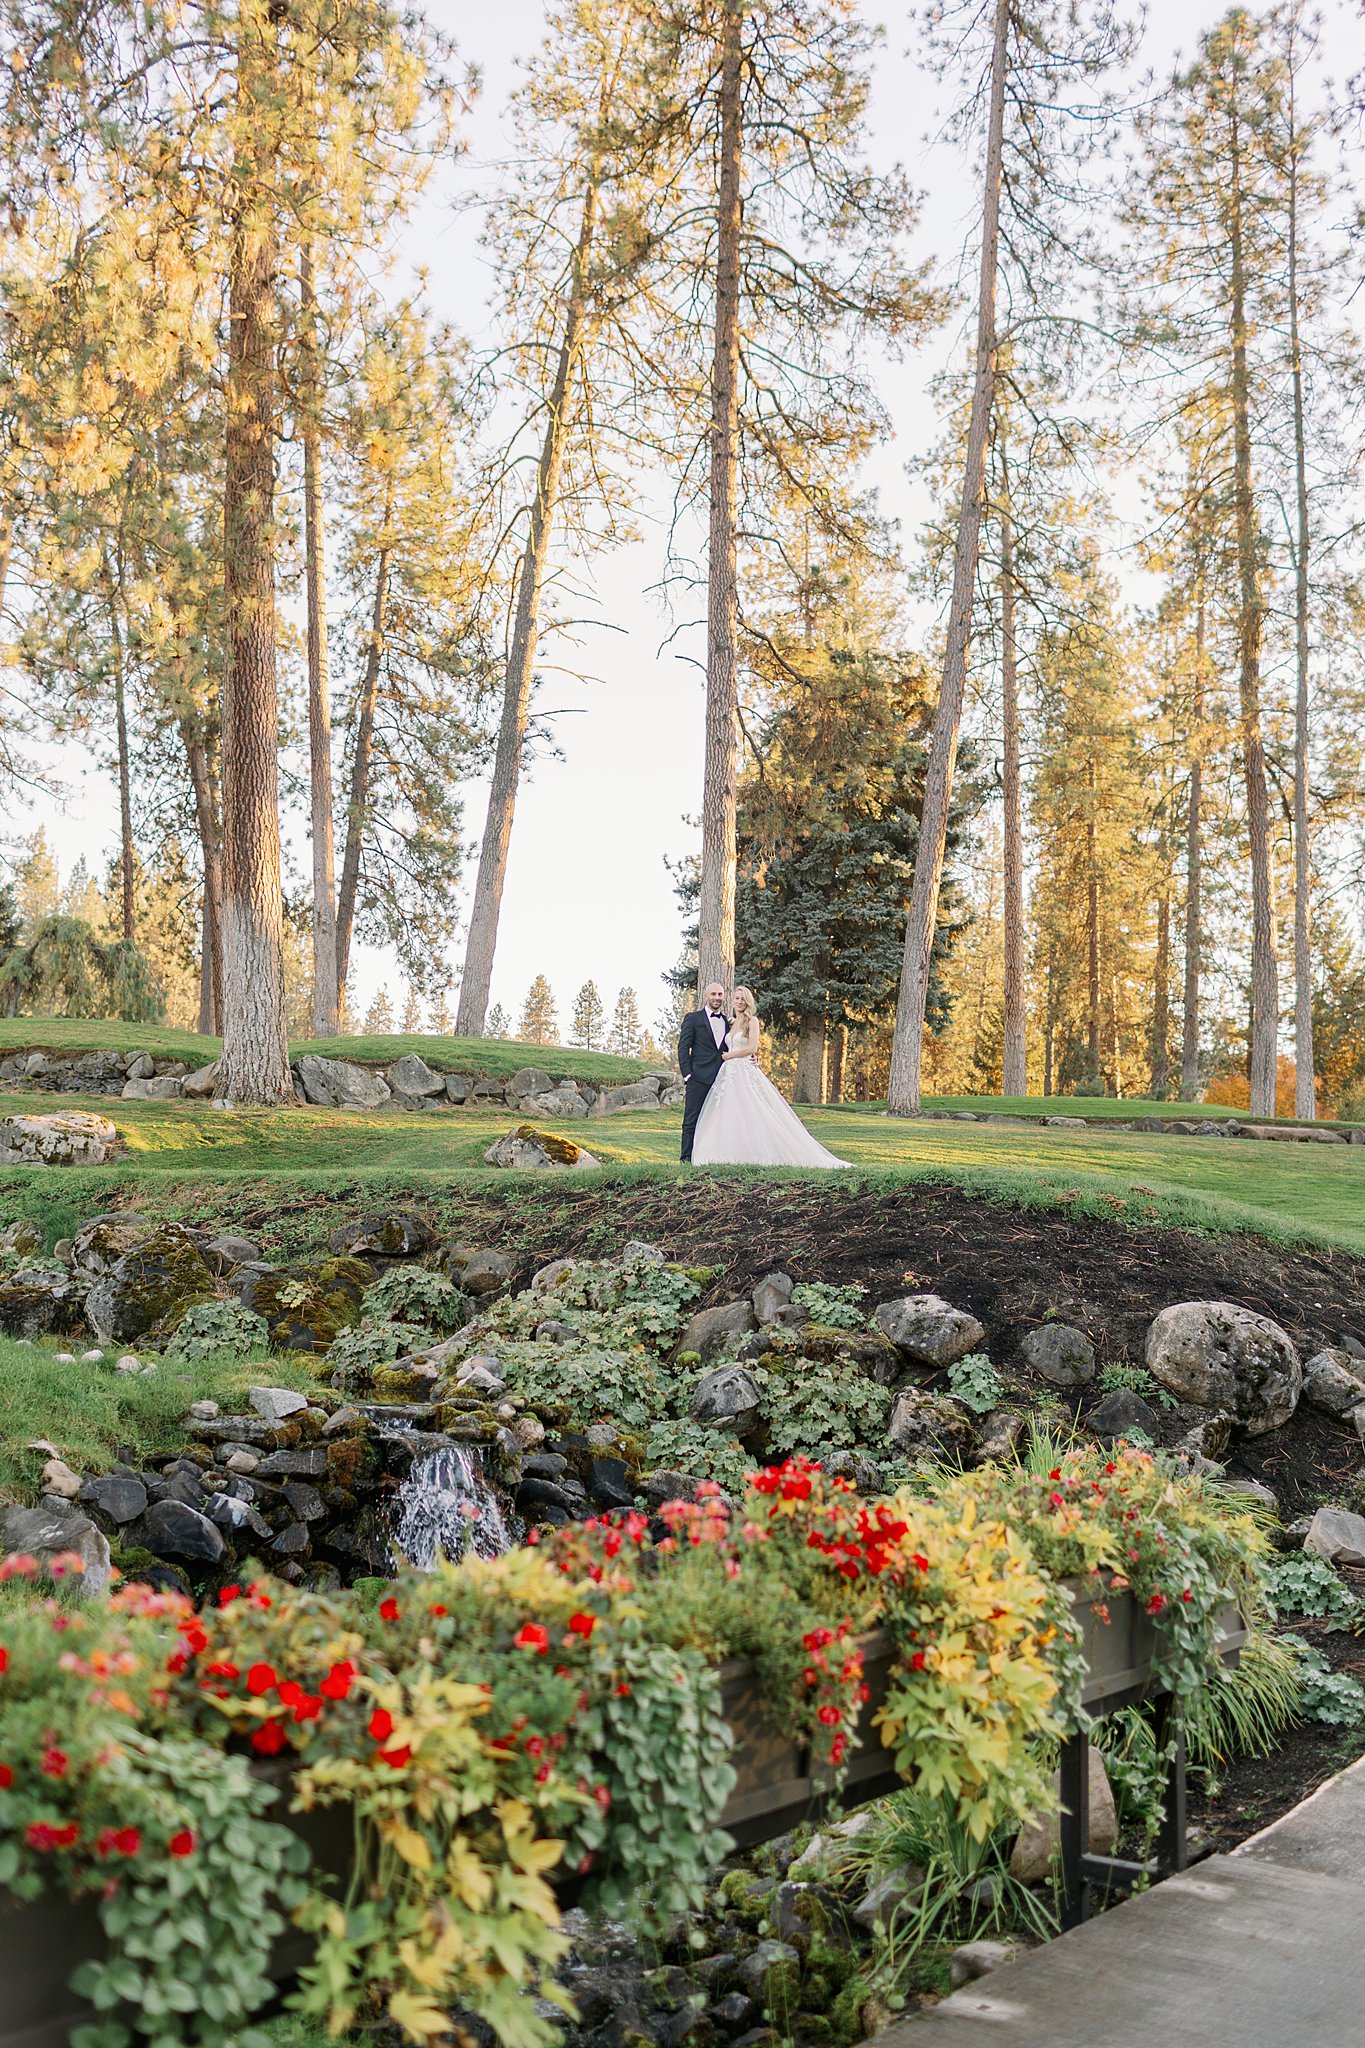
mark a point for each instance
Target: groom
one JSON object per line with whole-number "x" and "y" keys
{"x": 702, "y": 1040}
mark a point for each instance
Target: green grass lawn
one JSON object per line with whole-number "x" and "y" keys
{"x": 182, "y": 1154}
{"x": 498, "y": 1056}
{"x": 87, "y": 1410}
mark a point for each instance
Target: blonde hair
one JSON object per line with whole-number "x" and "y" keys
{"x": 746, "y": 995}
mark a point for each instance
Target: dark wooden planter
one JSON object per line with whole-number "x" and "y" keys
{"x": 42, "y": 1944}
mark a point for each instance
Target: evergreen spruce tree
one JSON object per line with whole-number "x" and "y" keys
{"x": 625, "y": 1024}
{"x": 539, "y": 1023}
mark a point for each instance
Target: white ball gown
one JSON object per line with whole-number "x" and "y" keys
{"x": 745, "y": 1121}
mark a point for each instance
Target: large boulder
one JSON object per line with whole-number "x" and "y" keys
{"x": 101, "y": 1242}
{"x": 385, "y": 1233}
{"x": 71, "y": 1137}
{"x": 1063, "y": 1355}
{"x": 40, "y": 1304}
{"x": 57, "y": 1529}
{"x": 930, "y": 1426}
{"x": 928, "y": 1330}
{"x": 727, "y": 1399}
{"x": 412, "y": 1076}
{"x": 1214, "y": 1354}
{"x": 538, "y": 1151}
{"x": 161, "y": 1088}
{"x": 529, "y": 1081}
{"x": 173, "y": 1529}
{"x": 340, "y": 1084}
{"x": 1333, "y": 1381}
{"x": 200, "y": 1085}
{"x": 148, "y": 1287}
{"x": 305, "y": 1307}
{"x": 711, "y": 1329}
{"x": 1337, "y": 1536}
{"x": 564, "y": 1101}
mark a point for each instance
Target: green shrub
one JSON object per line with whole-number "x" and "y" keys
{"x": 974, "y": 1381}
{"x": 1332, "y": 1697}
{"x": 837, "y": 1308}
{"x": 414, "y": 1294}
{"x": 1302, "y": 1583}
{"x": 218, "y": 1329}
{"x": 361, "y": 1348}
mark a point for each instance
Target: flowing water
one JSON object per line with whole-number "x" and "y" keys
{"x": 446, "y": 1506}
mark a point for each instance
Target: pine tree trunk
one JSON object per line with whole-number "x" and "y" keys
{"x": 1194, "y": 825}
{"x": 206, "y": 820}
{"x": 127, "y": 851}
{"x": 1161, "y": 992}
{"x": 255, "y": 1065}
{"x": 1014, "y": 1080}
{"x": 326, "y": 990}
{"x": 907, "y": 1042}
{"x": 1092, "y": 934}
{"x": 838, "y": 1059}
{"x": 716, "y": 910}
{"x": 1265, "y": 1000}
{"x": 477, "y": 978}
{"x": 358, "y": 796}
{"x": 1305, "y": 1080}
{"x": 809, "y": 1084}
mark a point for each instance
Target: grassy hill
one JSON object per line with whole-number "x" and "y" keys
{"x": 189, "y": 1158}
{"x": 496, "y": 1056}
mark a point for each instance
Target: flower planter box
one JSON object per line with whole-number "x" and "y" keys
{"x": 41, "y": 1944}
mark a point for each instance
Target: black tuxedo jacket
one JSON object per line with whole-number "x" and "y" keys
{"x": 698, "y": 1054}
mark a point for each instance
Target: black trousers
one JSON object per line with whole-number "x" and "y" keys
{"x": 697, "y": 1092}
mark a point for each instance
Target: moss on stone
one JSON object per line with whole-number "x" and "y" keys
{"x": 351, "y": 1460}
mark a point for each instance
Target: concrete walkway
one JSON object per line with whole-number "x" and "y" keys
{"x": 1263, "y": 1948}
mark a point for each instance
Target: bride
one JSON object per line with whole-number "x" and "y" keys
{"x": 744, "y": 1120}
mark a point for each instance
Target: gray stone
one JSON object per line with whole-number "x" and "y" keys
{"x": 1217, "y": 1355}
{"x": 929, "y": 1425}
{"x": 199, "y": 1085}
{"x": 101, "y": 1241}
{"x": 305, "y": 1464}
{"x": 1208, "y": 1439}
{"x": 480, "y": 1376}
{"x": 1040, "y": 1839}
{"x": 929, "y": 1330}
{"x": 1002, "y": 1432}
{"x": 878, "y": 1904}
{"x": 564, "y": 1101}
{"x": 764, "y": 1970}
{"x": 383, "y": 1233}
{"x": 489, "y": 1090}
{"x": 161, "y": 1088}
{"x": 276, "y": 1403}
{"x": 1120, "y": 1413}
{"x": 412, "y": 1076}
{"x": 220, "y": 1254}
{"x": 529, "y": 1081}
{"x": 59, "y": 1479}
{"x": 340, "y": 1084}
{"x": 657, "y": 1487}
{"x": 727, "y": 1399}
{"x": 1063, "y": 1355}
{"x": 771, "y": 1296}
{"x": 1251, "y": 1491}
{"x": 56, "y": 1529}
{"x": 71, "y": 1137}
{"x": 639, "y": 1252}
{"x": 342, "y": 1421}
{"x": 240, "y": 1459}
{"x": 120, "y": 1495}
{"x": 292, "y": 1541}
{"x": 710, "y": 1330}
{"x": 1294, "y": 1134}
{"x": 1065, "y": 1123}
{"x": 34, "y": 1303}
{"x": 629, "y": 1095}
{"x": 546, "y": 1277}
{"x": 552, "y": 1331}
{"x": 22, "y": 1238}
{"x": 526, "y": 1431}
{"x": 477, "y": 1270}
{"x": 458, "y": 1087}
{"x": 305, "y": 1502}
{"x": 977, "y": 1959}
{"x": 528, "y": 1150}
{"x": 237, "y": 1517}
{"x": 140, "y": 1066}
{"x": 1337, "y": 1536}
{"x": 1333, "y": 1381}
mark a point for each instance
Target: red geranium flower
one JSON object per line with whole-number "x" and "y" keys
{"x": 6, "y": 1777}
{"x": 338, "y": 1682}
{"x": 261, "y": 1679}
{"x": 269, "y": 1739}
{"x": 917, "y": 1661}
{"x": 4, "y": 1658}
{"x": 381, "y": 1724}
{"x": 182, "y": 1844}
{"x": 55, "y": 1762}
{"x": 582, "y": 1625}
{"x": 396, "y": 1758}
{"x": 118, "y": 1842}
{"x": 41, "y": 1834}
{"x": 532, "y": 1637}
{"x": 388, "y": 1609}
{"x": 227, "y": 1594}
{"x": 1156, "y": 1603}
{"x": 829, "y": 1716}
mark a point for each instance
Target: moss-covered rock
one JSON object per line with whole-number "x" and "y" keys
{"x": 868, "y": 1350}
{"x": 307, "y": 1306}
{"x": 40, "y": 1304}
{"x": 149, "y": 1287}
{"x": 351, "y": 1462}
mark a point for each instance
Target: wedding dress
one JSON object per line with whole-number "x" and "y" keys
{"x": 745, "y": 1121}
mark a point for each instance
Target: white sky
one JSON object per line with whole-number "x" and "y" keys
{"x": 587, "y": 890}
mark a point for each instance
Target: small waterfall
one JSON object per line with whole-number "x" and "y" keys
{"x": 446, "y": 1505}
